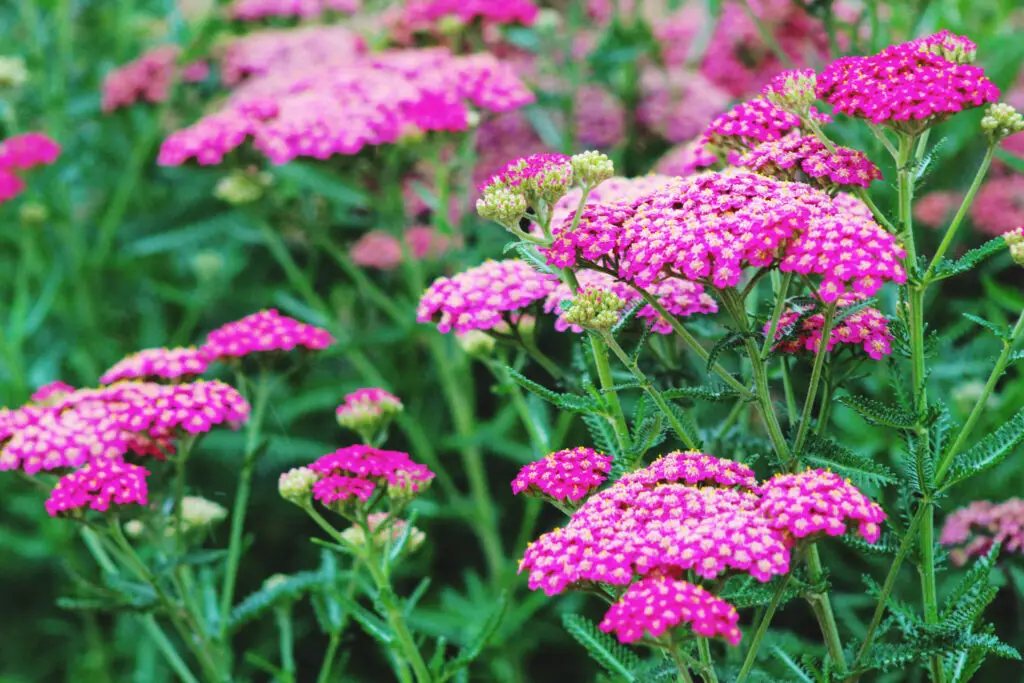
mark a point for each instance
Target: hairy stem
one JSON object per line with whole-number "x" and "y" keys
{"x": 762, "y": 629}
{"x": 804, "y": 425}
{"x": 822, "y": 607}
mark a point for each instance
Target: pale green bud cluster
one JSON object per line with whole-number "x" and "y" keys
{"x": 504, "y": 205}
{"x": 476, "y": 343}
{"x": 380, "y": 530}
{"x": 1000, "y": 121}
{"x": 296, "y": 486}
{"x": 590, "y": 169}
{"x": 13, "y": 73}
{"x": 795, "y": 93}
{"x": 957, "y": 51}
{"x": 200, "y": 513}
{"x": 595, "y": 309}
{"x": 239, "y": 187}
{"x": 33, "y": 214}
{"x": 1015, "y": 241}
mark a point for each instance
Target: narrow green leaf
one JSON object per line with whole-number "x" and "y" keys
{"x": 826, "y": 452}
{"x": 988, "y": 452}
{"x": 999, "y": 330}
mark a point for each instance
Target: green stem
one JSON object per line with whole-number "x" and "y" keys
{"x": 261, "y": 400}
{"x": 180, "y": 460}
{"x": 762, "y": 629}
{"x": 655, "y": 395}
{"x": 812, "y": 390}
{"x": 174, "y": 660}
{"x": 928, "y": 589}
{"x": 677, "y": 658}
{"x": 286, "y": 640}
{"x": 980, "y": 405}
{"x": 328, "y": 662}
{"x": 708, "y": 668}
{"x": 890, "y": 582}
{"x": 787, "y": 390}
{"x": 822, "y": 607}
{"x": 905, "y": 189}
{"x": 780, "y": 285}
{"x": 947, "y": 239}
{"x": 604, "y": 374}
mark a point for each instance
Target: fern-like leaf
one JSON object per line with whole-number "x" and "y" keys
{"x": 711, "y": 394}
{"x": 879, "y": 413}
{"x": 947, "y": 268}
{"x": 572, "y": 402}
{"x": 613, "y": 656}
{"x": 988, "y": 452}
{"x": 861, "y": 469}
{"x": 999, "y": 331}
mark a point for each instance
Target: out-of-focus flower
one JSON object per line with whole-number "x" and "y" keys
{"x": 255, "y": 10}
{"x": 440, "y": 17}
{"x": 368, "y": 411}
{"x": 796, "y": 157}
{"x": 569, "y": 474}
{"x": 999, "y": 205}
{"x": 13, "y": 73}
{"x": 265, "y": 331}
{"x": 659, "y": 603}
{"x": 971, "y": 531}
{"x": 385, "y": 530}
{"x": 149, "y": 77}
{"x": 936, "y": 208}
{"x": 198, "y": 513}
{"x": 241, "y": 187}
{"x": 160, "y": 363}
{"x": 51, "y": 393}
{"x": 906, "y": 86}
{"x": 97, "y": 486}
{"x": 382, "y": 251}
{"x": 600, "y": 118}
{"x": 677, "y": 105}
{"x": 21, "y": 153}
{"x": 476, "y": 343}
{"x": 484, "y": 297}
{"x": 685, "y": 159}
{"x": 289, "y": 51}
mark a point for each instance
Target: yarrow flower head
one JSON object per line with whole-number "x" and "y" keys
{"x": 659, "y": 603}
{"x": 544, "y": 177}
{"x": 149, "y": 78}
{"x": 818, "y": 501}
{"x": 368, "y": 412}
{"x": 385, "y": 530}
{"x": 1001, "y": 121}
{"x": 485, "y": 297}
{"x": 296, "y": 485}
{"x": 806, "y": 158}
{"x": 910, "y": 86}
{"x": 793, "y": 91}
{"x": 681, "y": 298}
{"x": 1015, "y": 242}
{"x": 21, "y": 153}
{"x": 972, "y": 531}
{"x": 751, "y": 123}
{"x": 357, "y": 471}
{"x": 261, "y": 332}
{"x": 566, "y": 475}
{"x": 97, "y": 486}
{"x": 867, "y": 328}
{"x": 160, "y": 363}
{"x": 594, "y": 308}
{"x": 685, "y": 159}
{"x": 694, "y": 468}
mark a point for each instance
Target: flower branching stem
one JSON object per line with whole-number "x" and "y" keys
{"x": 762, "y": 628}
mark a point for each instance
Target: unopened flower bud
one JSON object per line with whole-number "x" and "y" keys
{"x": 526, "y": 325}
{"x": 368, "y": 412}
{"x": 450, "y": 25}
{"x": 793, "y": 91}
{"x": 504, "y": 205}
{"x": 951, "y": 47}
{"x": 134, "y": 528}
{"x": 207, "y": 265}
{"x": 592, "y": 168}
{"x": 296, "y": 486}
{"x": 1015, "y": 241}
{"x": 595, "y": 309}
{"x": 33, "y": 214}
{"x": 239, "y": 187}
{"x": 407, "y": 485}
{"x": 199, "y": 513}
{"x": 356, "y": 536}
{"x": 13, "y": 73}
{"x": 476, "y": 343}
{"x": 1000, "y": 121}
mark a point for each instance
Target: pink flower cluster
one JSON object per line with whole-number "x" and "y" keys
{"x": 149, "y": 78}
{"x": 867, "y": 328}
{"x": 484, "y": 297}
{"x": 49, "y": 393}
{"x": 679, "y": 297}
{"x": 748, "y": 124}
{"x": 612, "y": 190}
{"x": 111, "y": 422}
{"x": 98, "y": 485}
{"x": 787, "y": 158}
{"x": 658, "y": 603}
{"x": 685, "y": 159}
{"x": 260, "y": 332}
{"x": 254, "y": 10}
{"x": 569, "y": 474}
{"x": 159, "y": 363}
{"x": 367, "y": 402}
{"x": 21, "y": 153}
{"x": 690, "y": 511}
{"x": 322, "y": 110}
{"x": 710, "y": 227}
{"x": 382, "y": 251}
{"x": 356, "y": 472}
{"x": 422, "y": 16}
{"x": 999, "y": 205}
{"x": 677, "y": 104}
{"x": 908, "y": 86}
{"x": 286, "y": 51}
{"x": 972, "y": 530}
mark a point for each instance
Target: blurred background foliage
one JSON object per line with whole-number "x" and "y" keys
{"x": 108, "y": 253}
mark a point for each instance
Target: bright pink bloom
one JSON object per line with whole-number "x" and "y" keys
{"x": 868, "y": 328}
{"x": 751, "y": 123}
{"x": 20, "y": 153}
{"x": 907, "y": 85}
{"x": 254, "y": 10}
{"x": 159, "y": 363}
{"x": 685, "y": 159}
{"x": 818, "y": 501}
{"x": 267, "y": 330}
{"x": 795, "y": 157}
{"x": 287, "y": 51}
{"x": 336, "y": 488}
{"x": 657, "y": 604}
{"x": 679, "y": 297}
{"x": 49, "y": 393}
{"x": 999, "y": 205}
{"x": 368, "y": 402}
{"x": 694, "y": 468}
{"x": 484, "y": 297}
{"x": 98, "y": 485}
{"x": 569, "y": 474}
{"x": 972, "y": 530}
{"x": 149, "y": 77}
{"x": 375, "y": 466}
{"x": 500, "y": 138}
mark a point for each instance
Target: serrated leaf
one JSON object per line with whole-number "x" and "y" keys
{"x": 730, "y": 341}
{"x": 255, "y": 604}
{"x": 602, "y": 435}
{"x": 613, "y": 656}
{"x": 947, "y": 268}
{"x": 988, "y": 452}
{"x": 712, "y": 394}
{"x": 879, "y": 413}
{"x": 572, "y": 402}
{"x": 826, "y": 452}
{"x": 976, "y": 577}
{"x": 999, "y": 330}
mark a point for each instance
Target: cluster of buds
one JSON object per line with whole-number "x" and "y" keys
{"x": 384, "y": 531}
{"x": 13, "y": 73}
{"x": 536, "y": 183}
{"x": 951, "y": 47}
{"x": 242, "y": 187}
{"x": 198, "y": 514}
{"x": 1015, "y": 241}
{"x": 1001, "y": 121}
{"x": 793, "y": 91}
{"x": 476, "y": 343}
{"x": 595, "y": 309}
{"x": 368, "y": 413}
{"x": 296, "y": 486}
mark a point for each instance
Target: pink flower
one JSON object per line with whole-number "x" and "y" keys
{"x": 500, "y": 138}
{"x": 149, "y": 77}
{"x": 677, "y": 105}
{"x": 907, "y": 86}
{"x": 368, "y": 409}
{"x": 600, "y": 117}
{"x": 679, "y": 297}
{"x": 357, "y": 470}
{"x": 694, "y": 468}
{"x": 569, "y": 474}
{"x": 795, "y": 157}
{"x": 867, "y": 328}
{"x": 818, "y": 501}
{"x": 160, "y": 363}
{"x": 254, "y": 10}
{"x": 485, "y": 297}
{"x": 935, "y": 208}
{"x": 98, "y": 485}
{"x": 21, "y": 153}
{"x": 287, "y": 51}
{"x": 336, "y": 488}
{"x": 382, "y": 251}
{"x": 999, "y": 205}
{"x": 657, "y": 604}
{"x": 267, "y": 330}
{"x": 685, "y": 159}
{"x": 751, "y": 123}
{"x": 972, "y": 530}
{"x": 50, "y": 393}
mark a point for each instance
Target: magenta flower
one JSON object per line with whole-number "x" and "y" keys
{"x": 751, "y": 123}
{"x": 98, "y": 485}
{"x": 375, "y": 465}
{"x": 255, "y": 10}
{"x": 678, "y": 104}
{"x": 694, "y": 468}
{"x": 868, "y": 328}
{"x": 265, "y": 331}
{"x": 336, "y": 488}
{"x": 999, "y": 205}
{"x": 160, "y": 363}
{"x": 614, "y": 189}
{"x": 485, "y": 297}
{"x": 569, "y": 474}
{"x": 285, "y": 51}
{"x": 149, "y": 77}
{"x": 659, "y": 603}
{"x": 21, "y": 153}
{"x": 817, "y": 501}
{"x": 795, "y": 157}
{"x": 971, "y": 531}
{"x": 382, "y": 251}
{"x": 50, "y": 393}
